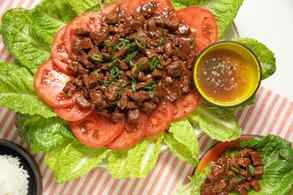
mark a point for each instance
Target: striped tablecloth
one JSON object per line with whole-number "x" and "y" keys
{"x": 272, "y": 114}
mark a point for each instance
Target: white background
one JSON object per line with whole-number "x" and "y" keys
{"x": 271, "y": 22}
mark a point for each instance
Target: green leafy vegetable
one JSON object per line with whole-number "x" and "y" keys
{"x": 219, "y": 123}
{"x": 136, "y": 162}
{"x": 58, "y": 9}
{"x": 17, "y": 93}
{"x": 16, "y": 28}
{"x": 182, "y": 140}
{"x": 264, "y": 55}
{"x": 277, "y": 155}
{"x": 278, "y": 164}
{"x": 193, "y": 187}
{"x": 74, "y": 160}
{"x": 44, "y": 135}
{"x": 43, "y": 28}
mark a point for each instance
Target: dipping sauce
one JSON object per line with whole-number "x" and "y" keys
{"x": 227, "y": 74}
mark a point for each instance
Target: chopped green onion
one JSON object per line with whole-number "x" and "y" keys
{"x": 133, "y": 85}
{"x": 96, "y": 57}
{"x": 251, "y": 170}
{"x": 150, "y": 86}
{"x": 115, "y": 72}
{"x": 155, "y": 63}
{"x": 128, "y": 59}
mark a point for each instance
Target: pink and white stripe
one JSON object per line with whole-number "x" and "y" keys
{"x": 272, "y": 114}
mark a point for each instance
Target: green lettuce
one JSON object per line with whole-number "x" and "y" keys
{"x": 218, "y": 123}
{"x": 136, "y": 162}
{"x": 16, "y": 28}
{"x": 195, "y": 182}
{"x": 264, "y": 55}
{"x": 44, "y": 135}
{"x": 278, "y": 164}
{"x": 277, "y": 155}
{"x": 74, "y": 160}
{"x": 182, "y": 141}
{"x": 224, "y": 10}
{"x": 17, "y": 93}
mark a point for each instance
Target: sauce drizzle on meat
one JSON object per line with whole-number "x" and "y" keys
{"x": 133, "y": 63}
{"x": 238, "y": 172}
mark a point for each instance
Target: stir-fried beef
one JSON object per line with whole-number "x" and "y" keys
{"x": 132, "y": 63}
{"x": 237, "y": 173}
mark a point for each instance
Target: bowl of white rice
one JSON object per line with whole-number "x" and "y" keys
{"x": 19, "y": 172}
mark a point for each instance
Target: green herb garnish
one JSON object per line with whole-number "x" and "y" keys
{"x": 150, "y": 86}
{"x": 128, "y": 59}
{"x": 96, "y": 57}
{"x": 115, "y": 72}
{"x": 154, "y": 63}
{"x": 133, "y": 85}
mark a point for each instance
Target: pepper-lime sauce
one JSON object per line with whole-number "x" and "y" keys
{"x": 225, "y": 75}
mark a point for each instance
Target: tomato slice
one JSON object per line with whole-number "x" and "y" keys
{"x": 96, "y": 131}
{"x": 49, "y": 85}
{"x": 60, "y": 56}
{"x": 163, "y": 5}
{"x": 202, "y": 22}
{"x": 131, "y": 135}
{"x": 186, "y": 105}
{"x": 215, "y": 152}
{"x": 159, "y": 120}
{"x": 89, "y": 21}
{"x": 72, "y": 113}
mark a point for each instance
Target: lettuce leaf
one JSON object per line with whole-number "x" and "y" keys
{"x": 44, "y": 135}
{"x": 136, "y": 162}
{"x": 277, "y": 155}
{"x": 182, "y": 141}
{"x": 17, "y": 93}
{"x": 74, "y": 160}
{"x": 278, "y": 164}
{"x": 264, "y": 55}
{"x": 57, "y": 9}
{"x": 195, "y": 182}
{"x": 218, "y": 123}
{"x": 224, "y": 10}
{"x": 16, "y": 28}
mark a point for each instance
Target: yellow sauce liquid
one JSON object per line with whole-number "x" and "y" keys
{"x": 225, "y": 76}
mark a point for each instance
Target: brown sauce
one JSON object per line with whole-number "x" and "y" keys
{"x": 225, "y": 75}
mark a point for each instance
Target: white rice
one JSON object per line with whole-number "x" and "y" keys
{"x": 13, "y": 178}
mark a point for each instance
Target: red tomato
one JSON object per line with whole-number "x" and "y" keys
{"x": 163, "y": 5}
{"x": 215, "y": 152}
{"x": 89, "y": 21}
{"x": 60, "y": 57}
{"x": 159, "y": 120}
{"x": 49, "y": 85}
{"x": 96, "y": 130}
{"x": 202, "y": 22}
{"x": 131, "y": 135}
{"x": 72, "y": 113}
{"x": 186, "y": 105}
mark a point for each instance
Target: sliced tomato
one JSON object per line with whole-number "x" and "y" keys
{"x": 72, "y": 113}
{"x": 60, "y": 56}
{"x": 215, "y": 152}
{"x": 131, "y": 135}
{"x": 49, "y": 85}
{"x": 186, "y": 105}
{"x": 159, "y": 120}
{"x": 163, "y": 5}
{"x": 89, "y": 21}
{"x": 202, "y": 22}
{"x": 96, "y": 131}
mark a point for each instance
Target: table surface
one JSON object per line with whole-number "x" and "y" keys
{"x": 271, "y": 22}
